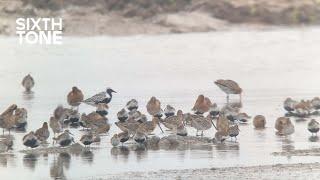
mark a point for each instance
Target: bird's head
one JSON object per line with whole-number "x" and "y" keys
{"x": 109, "y": 90}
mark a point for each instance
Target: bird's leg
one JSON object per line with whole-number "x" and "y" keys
{"x": 214, "y": 125}
{"x": 227, "y": 98}
{"x": 160, "y": 128}
{"x": 197, "y": 133}
{"x": 201, "y": 133}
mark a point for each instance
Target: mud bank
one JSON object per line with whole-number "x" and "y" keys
{"x": 279, "y": 171}
{"x": 109, "y": 17}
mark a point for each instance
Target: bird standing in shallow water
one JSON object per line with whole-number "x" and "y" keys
{"x": 31, "y": 140}
{"x": 43, "y": 132}
{"x": 100, "y": 97}
{"x": 154, "y": 107}
{"x": 284, "y": 126}
{"x": 123, "y": 137}
{"x": 122, "y": 115}
{"x": 64, "y": 139}
{"x": 55, "y": 125}
{"x": 201, "y": 124}
{"x": 6, "y": 144}
{"x": 149, "y": 126}
{"x": 75, "y": 97}
{"x": 87, "y": 139}
{"x": 202, "y": 105}
{"x": 289, "y": 104}
{"x": 234, "y": 131}
{"x": 229, "y": 87}
{"x": 313, "y": 126}
{"x": 115, "y": 141}
{"x": 259, "y": 122}
{"x": 28, "y": 83}
{"x": 173, "y": 122}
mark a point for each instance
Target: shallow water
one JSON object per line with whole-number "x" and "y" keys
{"x": 269, "y": 66}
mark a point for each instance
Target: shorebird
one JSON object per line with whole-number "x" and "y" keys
{"x": 6, "y": 144}
{"x": 43, "y": 133}
{"x": 75, "y": 97}
{"x": 313, "y": 126}
{"x": 7, "y": 115}
{"x": 92, "y": 120}
{"x": 142, "y": 118}
{"x": 201, "y": 105}
{"x": 169, "y": 111}
{"x": 100, "y": 97}
{"x": 187, "y": 118}
{"x": 259, "y": 122}
{"x": 102, "y": 129}
{"x": 20, "y": 115}
{"x": 28, "y": 82}
{"x": 201, "y": 124}
{"x": 173, "y": 122}
{"x": 284, "y": 126}
{"x": 154, "y": 107}
{"x": 289, "y": 104}
{"x": 182, "y": 130}
{"x": 220, "y": 136}
{"x": 123, "y": 137}
{"x": 315, "y": 102}
{"x": 132, "y": 105}
{"x": 122, "y": 115}
{"x": 140, "y": 137}
{"x": 55, "y": 125}
{"x": 234, "y": 131}
{"x": 214, "y": 110}
{"x": 87, "y": 139}
{"x": 102, "y": 109}
{"x": 149, "y": 126}
{"x": 303, "y": 108}
{"x": 61, "y": 113}
{"x": 64, "y": 139}
{"x": 31, "y": 140}
{"x": 223, "y": 125}
{"x": 115, "y": 141}
{"x": 230, "y": 112}
{"x": 229, "y": 87}
{"x": 243, "y": 117}
{"x": 130, "y": 126}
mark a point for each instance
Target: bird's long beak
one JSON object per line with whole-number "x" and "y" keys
{"x": 214, "y": 125}
{"x": 114, "y": 91}
{"x": 71, "y": 133}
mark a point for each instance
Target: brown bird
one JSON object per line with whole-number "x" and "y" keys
{"x": 149, "y": 126}
{"x": 93, "y": 120}
{"x": 223, "y": 125}
{"x": 154, "y": 107}
{"x": 102, "y": 109}
{"x": 234, "y": 131}
{"x": 284, "y": 126}
{"x": 31, "y": 140}
{"x": 43, "y": 133}
{"x": 28, "y": 82}
{"x": 173, "y": 122}
{"x": 202, "y": 105}
{"x": 201, "y": 124}
{"x": 102, "y": 129}
{"x": 20, "y": 116}
{"x": 259, "y": 121}
{"x": 55, "y": 125}
{"x": 229, "y": 87}
{"x": 129, "y": 126}
{"x": 87, "y": 139}
{"x": 75, "y": 97}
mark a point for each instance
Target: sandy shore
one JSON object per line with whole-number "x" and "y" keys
{"x": 279, "y": 171}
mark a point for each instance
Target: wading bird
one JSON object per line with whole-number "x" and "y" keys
{"x": 229, "y": 87}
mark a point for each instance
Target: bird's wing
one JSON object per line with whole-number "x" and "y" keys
{"x": 96, "y": 98}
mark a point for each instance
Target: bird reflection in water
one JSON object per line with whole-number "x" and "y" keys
{"x": 140, "y": 151}
{"x": 313, "y": 138}
{"x": 87, "y": 156}
{"x": 5, "y": 159}
{"x": 120, "y": 152}
{"x": 30, "y": 160}
{"x": 287, "y": 146}
{"x": 228, "y": 149}
{"x": 28, "y": 97}
{"x": 56, "y": 169}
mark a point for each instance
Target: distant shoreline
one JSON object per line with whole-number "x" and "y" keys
{"x": 122, "y": 18}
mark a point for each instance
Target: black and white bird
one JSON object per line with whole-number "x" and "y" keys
{"x": 102, "y": 97}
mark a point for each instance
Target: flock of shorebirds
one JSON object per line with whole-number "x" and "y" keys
{"x": 135, "y": 125}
